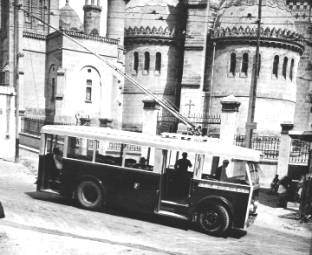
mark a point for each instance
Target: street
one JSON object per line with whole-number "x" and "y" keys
{"x": 42, "y": 223}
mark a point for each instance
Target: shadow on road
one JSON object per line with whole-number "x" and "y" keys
{"x": 267, "y": 198}
{"x": 151, "y": 218}
{"x": 49, "y": 197}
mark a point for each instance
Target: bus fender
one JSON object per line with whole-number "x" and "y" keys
{"x": 213, "y": 199}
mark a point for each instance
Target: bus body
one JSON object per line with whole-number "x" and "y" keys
{"x": 102, "y": 167}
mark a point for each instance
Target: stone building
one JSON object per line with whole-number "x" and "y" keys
{"x": 215, "y": 57}
{"x": 234, "y": 39}
{"x": 191, "y": 53}
{"x": 61, "y": 81}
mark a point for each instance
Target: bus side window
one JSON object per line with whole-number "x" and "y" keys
{"x": 52, "y": 142}
{"x": 80, "y": 148}
{"x": 210, "y": 167}
{"x": 108, "y": 152}
{"x": 139, "y": 157}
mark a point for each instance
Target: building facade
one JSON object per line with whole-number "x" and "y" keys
{"x": 217, "y": 58}
{"x": 190, "y": 53}
{"x": 61, "y": 81}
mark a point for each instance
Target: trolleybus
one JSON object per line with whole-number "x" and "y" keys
{"x": 102, "y": 167}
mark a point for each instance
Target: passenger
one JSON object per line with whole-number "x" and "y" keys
{"x": 182, "y": 177}
{"x": 58, "y": 158}
{"x": 58, "y": 163}
{"x": 221, "y": 170}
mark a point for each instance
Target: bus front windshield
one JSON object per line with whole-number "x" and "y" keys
{"x": 243, "y": 172}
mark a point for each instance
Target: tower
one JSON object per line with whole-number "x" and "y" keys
{"x": 92, "y": 17}
{"x": 233, "y": 68}
{"x": 116, "y": 20}
{"x": 154, "y": 54}
{"x": 301, "y": 11}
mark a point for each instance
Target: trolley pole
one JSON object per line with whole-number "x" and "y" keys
{"x": 251, "y": 125}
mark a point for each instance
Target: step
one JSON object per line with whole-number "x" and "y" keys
{"x": 171, "y": 214}
{"x": 50, "y": 191}
{"x": 174, "y": 203}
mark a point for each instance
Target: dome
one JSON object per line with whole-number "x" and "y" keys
{"x": 237, "y": 21}
{"x": 152, "y": 18}
{"x": 243, "y": 13}
{"x": 69, "y": 19}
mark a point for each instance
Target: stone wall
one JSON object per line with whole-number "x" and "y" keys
{"x": 163, "y": 83}
{"x": 276, "y": 95}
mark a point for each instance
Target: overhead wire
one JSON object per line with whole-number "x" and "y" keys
{"x": 161, "y": 102}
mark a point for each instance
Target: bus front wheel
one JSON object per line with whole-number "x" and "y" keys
{"x": 90, "y": 195}
{"x": 214, "y": 219}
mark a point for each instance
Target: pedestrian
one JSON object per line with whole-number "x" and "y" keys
{"x": 283, "y": 191}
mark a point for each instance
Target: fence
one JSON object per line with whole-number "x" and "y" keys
{"x": 168, "y": 123}
{"x": 268, "y": 145}
{"x": 34, "y": 125}
{"x": 299, "y": 151}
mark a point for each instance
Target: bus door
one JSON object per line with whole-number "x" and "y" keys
{"x": 177, "y": 176}
{"x": 50, "y": 161}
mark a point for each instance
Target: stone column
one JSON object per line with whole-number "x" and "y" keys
{"x": 230, "y": 108}
{"x": 284, "y": 150}
{"x": 150, "y": 114}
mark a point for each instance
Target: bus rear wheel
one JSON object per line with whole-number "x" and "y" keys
{"x": 90, "y": 195}
{"x": 214, "y": 219}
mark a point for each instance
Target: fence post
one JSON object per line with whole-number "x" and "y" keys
{"x": 284, "y": 149}
{"x": 150, "y": 114}
{"x": 230, "y": 108}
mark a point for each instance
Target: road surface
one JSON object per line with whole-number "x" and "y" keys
{"x": 42, "y": 223}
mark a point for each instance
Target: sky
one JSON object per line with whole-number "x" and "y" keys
{"x": 77, "y": 5}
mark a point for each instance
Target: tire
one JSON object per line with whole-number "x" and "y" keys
{"x": 90, "y": 195}
{"x": 214, "y": 219}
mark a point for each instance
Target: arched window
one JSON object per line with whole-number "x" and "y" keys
{"x": 233, "y": 64}
{"x": 245, "y": 64}
{"x": 291, "y": 73}
{"x": 146, "y": 61}
{"x": 275, "y": 66}
{"x": 285, "y": 64}
{"x": 53, "y": 89}
{"x": 135, "y": 61}
{"x": 158, "y": 62}
{"x": 89, "y": 91}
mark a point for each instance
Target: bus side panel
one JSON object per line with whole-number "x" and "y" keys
{"x": 238, "y": 201}
{"x": 129, "y": 189}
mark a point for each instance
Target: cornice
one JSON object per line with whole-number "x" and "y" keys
{"x": 277, "y": 37}
{"x": 84, "y": 36}
{"x": 147, "y": 34}
{"x": 28, "y": 34}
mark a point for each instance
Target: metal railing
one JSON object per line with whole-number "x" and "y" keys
{"x": 299, "y": 152}
{"x": 33, "y": 126}
{"x": 268, "y": 145}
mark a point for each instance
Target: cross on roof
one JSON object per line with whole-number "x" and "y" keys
{"x": 189, "y": 107}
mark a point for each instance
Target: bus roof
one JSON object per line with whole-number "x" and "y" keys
{"x": 211, "y": 146}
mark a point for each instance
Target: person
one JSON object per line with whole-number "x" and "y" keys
{"x": 283, "y": 191}
{"x": 181, "y": 167}
{"x": 57, "y": 163}
{"x": 221, "y": 170}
